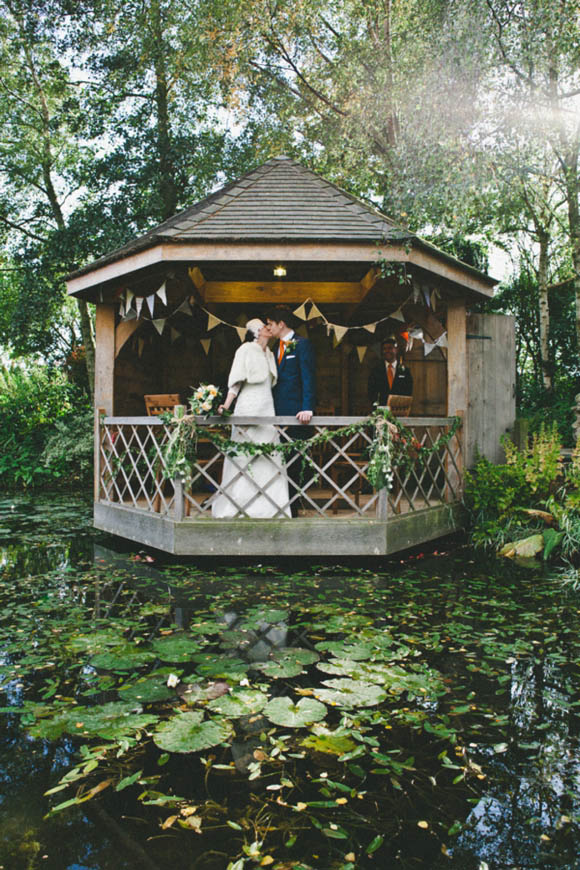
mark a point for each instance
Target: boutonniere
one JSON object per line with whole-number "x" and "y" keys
{"x": 402, "y": 368}
{"x": 291, "y": 345}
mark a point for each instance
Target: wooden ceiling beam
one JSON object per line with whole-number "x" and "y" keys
{"x": 344, "y": 292}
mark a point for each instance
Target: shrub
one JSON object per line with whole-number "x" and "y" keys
{"x": 36, "y": 402}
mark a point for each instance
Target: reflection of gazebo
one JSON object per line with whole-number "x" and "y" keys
{"x": 159, "y": 298}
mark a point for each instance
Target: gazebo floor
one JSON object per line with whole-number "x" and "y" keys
{"x": 310, "y": 534}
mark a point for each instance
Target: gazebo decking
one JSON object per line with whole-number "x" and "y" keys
{"x": 339, "y": 513}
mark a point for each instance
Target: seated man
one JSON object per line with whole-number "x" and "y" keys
{"x": 389, "y": 377}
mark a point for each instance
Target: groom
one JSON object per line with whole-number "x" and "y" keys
{"x": 294, "y": 393}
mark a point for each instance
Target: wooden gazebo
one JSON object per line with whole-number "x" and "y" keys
{"x": 168, "y": 310}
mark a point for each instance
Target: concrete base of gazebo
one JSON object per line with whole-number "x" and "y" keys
{"x": 309, "y": 537}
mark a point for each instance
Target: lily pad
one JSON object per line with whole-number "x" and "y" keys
{"x": 331, "y": 742}
{"x": 350, "y": 693}
{"x": 212, "y": 665}
{"x": 115, "y": 720}
{"x": 242, "y": 702}
{"x": 283, "y": 711}
{"x": 186, "y": 732}
{"x": 356, "y": 652}
{"x": 288, "y": 662}
{"x": 122, "y": 658}
{"x": 146, "y": 690}
{"x": 175, "y": 648}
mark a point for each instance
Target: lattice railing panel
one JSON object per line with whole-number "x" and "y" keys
{"x": 333, "y": 482}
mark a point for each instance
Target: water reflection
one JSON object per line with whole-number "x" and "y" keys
{"x": 508, "y": 652}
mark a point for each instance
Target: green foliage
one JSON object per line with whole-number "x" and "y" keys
{"x": 45, "y": 428}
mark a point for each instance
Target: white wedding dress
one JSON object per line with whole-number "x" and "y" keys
{"x": 253, "y": 485}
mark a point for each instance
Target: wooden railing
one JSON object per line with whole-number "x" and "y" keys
{"x": 131, "y": 469}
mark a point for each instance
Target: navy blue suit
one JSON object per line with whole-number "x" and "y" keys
{"x": 296, "y": 387}
{"x": 294, "y": 392}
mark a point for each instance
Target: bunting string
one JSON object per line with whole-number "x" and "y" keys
{"x": 132, "y": 307}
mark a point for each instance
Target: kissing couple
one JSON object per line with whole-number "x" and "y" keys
{"x": 265, "y": 383}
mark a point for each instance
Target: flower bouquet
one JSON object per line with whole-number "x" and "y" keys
{"x": 205, "y": 400}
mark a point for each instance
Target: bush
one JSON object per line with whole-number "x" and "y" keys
{"x": 37, "y": 405}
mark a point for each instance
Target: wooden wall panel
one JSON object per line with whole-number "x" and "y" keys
{"x": 491, "y": 359}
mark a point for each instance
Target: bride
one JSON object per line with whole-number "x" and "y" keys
{"x": 252, "y": 485}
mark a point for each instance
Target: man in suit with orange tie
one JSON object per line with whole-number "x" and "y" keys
{"x": 389, "y": 377}
{"x": 294, "y": 394}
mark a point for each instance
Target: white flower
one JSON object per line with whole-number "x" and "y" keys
{"x": 213, "y": 391}
{"x": 206, "y": 406}
{"x": 172, "y": 680}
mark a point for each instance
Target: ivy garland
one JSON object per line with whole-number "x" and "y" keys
{"x": 392, "y": 444}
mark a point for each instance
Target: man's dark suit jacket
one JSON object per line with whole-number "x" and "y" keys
{"x": 296, "y": 387}
{"x": 379, "y": 384}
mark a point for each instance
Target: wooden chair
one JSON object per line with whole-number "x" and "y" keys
{"x": 159, "y": 403}
{"x": 400, "y": 405}
{"x": 156, "y": 404}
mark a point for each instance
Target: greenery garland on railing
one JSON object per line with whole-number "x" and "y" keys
{"x": 392, "y": 444}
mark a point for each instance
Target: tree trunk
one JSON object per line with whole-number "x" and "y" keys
{"x": 544, "y": 311}
{"x": 572, "y": 191}
{"x": 167, "y": 185}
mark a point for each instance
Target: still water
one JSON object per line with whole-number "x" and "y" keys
{"x": 417, "y": 712}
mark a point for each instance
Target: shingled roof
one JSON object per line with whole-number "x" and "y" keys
{"x": 279, "y": 201}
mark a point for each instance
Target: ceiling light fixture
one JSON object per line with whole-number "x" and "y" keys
{"x": 279, "y": 271}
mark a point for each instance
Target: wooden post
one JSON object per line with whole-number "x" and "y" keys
{"x": 457, "y": 383}
{"x": 105, "y": 357}
{"x": 457, "y": 372}
{"x": 97, "y": 454}
{"x": 382, "y": 503}
{"x": 104, "y": 380}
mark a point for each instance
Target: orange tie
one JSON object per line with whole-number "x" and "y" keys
{"x": 281, "y": 349}
{"x": 390, "y": 375}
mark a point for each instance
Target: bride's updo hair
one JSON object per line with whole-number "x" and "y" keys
{"x": 253, "y": 328}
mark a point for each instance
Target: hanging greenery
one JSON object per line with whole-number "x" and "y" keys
{"x": 392, "y": 444}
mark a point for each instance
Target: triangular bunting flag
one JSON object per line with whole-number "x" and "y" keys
{"x": 428, "y": 347}
{"x": 121, "y": 308}
{"x": 185, "y": 308}
{"x": 416, "y": 294}
{"x": 397, "y": 315}
{"x": 442, "y": 340}
{"x": 140, "y": 346}
{"x": 212, "y": 321}
{"x": 340, "y": 332}
{"x": 159, "y": 324}
{"x": 434, "y": 300}
{"x": 129, "y": 298}
{"x": 138, "y": 305}
{"x": 241, "y": 330}
{"x": 370, "y": 327}
{"x": 206, "y": 343}
{"x": 175, "y": 333}
{"x": 300, "y": 311}
{"x": 315, "y": 312}
{"x": 361, "y": 351}
{"x": 162, "y": 293}
{"x": 130, "y": 315}
{"x": 151, "y": 303}
{"x": 334, "y": 341}
{"x": 427, "y": 297}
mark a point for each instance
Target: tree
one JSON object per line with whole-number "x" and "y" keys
{"x": 537, "y": 62}
{"x": 39, "y": 150}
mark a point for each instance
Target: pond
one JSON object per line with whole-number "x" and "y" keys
{"x": 410, "y": 712}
